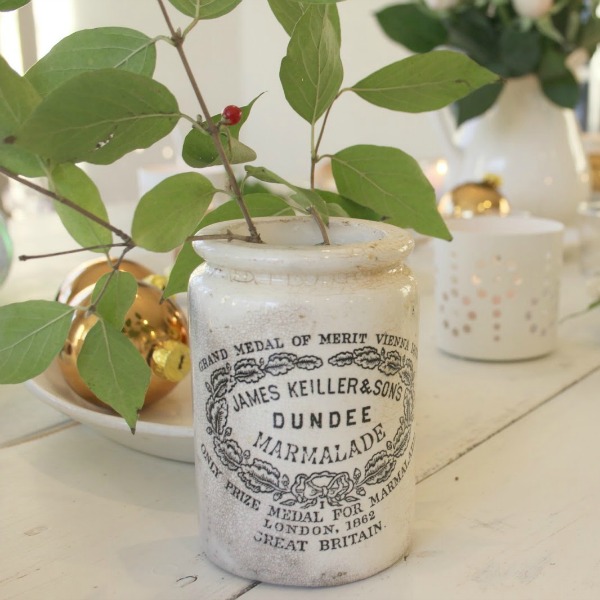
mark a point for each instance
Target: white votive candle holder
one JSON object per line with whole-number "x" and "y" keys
{"x": 589, "y": 231}
{"x": 497, "y": 287}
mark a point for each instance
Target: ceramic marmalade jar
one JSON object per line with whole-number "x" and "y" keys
{"x": 304, "y": 359}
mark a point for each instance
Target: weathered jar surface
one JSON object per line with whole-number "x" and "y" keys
{"x": 304, "y": 359}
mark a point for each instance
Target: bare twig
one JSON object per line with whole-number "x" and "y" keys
{"x": 229, "y": 236}
{"x": 25, "y": 257}
{"x": 86, "y": 213}
{"x": 115, "y": 267}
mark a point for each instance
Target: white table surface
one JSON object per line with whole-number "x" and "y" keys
{"x": 508, "y": 500}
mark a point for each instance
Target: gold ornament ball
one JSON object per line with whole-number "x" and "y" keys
{"x": 89, "y": 272}
{"x": 156, "y": 327}
{"x": 474, "y": 199}
{"x": 594, "y": 163}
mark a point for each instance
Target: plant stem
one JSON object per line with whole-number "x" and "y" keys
{"x": 178, "y": 40}
{"x": 191, "y": 26}
{"x": 114, "y": 268}
{"x": 25, "y": 257}
{"x": 229, "y": 236}
{"x": 86, "y": 213}
{"x": 315, "y": 158}
{"x": 314, "y": 213}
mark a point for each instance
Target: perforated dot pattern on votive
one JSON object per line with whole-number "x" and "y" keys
{"x": 496, "y": 288}
{"x": 487, "y": 295}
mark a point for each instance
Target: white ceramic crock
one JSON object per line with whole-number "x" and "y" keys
{"x": 304, "y": 359}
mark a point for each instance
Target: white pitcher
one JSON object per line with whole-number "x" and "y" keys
{"x": 532, "y": 144}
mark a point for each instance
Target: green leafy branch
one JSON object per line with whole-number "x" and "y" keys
{"x": 93, "y": 99}
{"x": 497, "y": 36}
{"x": 213, "y": 129}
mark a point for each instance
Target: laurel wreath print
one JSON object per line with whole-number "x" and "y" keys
{"x": 305, "y": 490}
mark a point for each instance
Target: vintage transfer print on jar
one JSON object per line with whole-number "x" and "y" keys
{"x": 304, "y": 360}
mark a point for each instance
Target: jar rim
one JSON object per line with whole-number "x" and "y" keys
{"x": 295, "y": 243}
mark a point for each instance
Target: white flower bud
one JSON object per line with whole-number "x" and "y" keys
{"x": 534, "y": 9}
{"x": 441, "y": 4}
{"x": 577, "y": 59}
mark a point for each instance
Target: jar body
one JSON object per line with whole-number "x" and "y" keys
{"x": 303, "y": 380}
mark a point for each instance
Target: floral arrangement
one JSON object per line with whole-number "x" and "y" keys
{"x": 513, "y": 38}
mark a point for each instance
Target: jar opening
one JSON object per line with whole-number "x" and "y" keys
{"x": 296, "y": 243}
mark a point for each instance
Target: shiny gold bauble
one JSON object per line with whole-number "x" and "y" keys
{"x": 594, "y": 160}
{"x": 156, "y": 327}
{"x": 474, "y": 199}
{"x": 89, "y": 272}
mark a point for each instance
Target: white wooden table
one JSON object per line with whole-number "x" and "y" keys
{"x": 508, "y": 500}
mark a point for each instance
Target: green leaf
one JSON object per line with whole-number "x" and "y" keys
{"x": 91, "y": 49}
{"x": 266, "y": 175}
{"x": 185, "y": 263}
{"x": 589, "y": 36}
{"x": 545, "y": 25}
{"x": 423, "y": 82}
{"x": 302, "y": 199}
{"x": 259, "y": 204}
{"x": 471, "y": 30}
{"x": 289, "y": 13}
{"x": 311, "y": 73}
{"x": 167, "y": 214}
{"x": 99, "y": 116}
{"x": 205, "y": 9}
{"x": 413, "y": 27}
{"x": 520, "y": 50}
{"x": 73, "y": 183}
{"x": 558, "y": 83}
{"x": 18, "y": 99}
{"x": 336, "y": 210}
{"x": 594, "y": 304}
{"x": 199, "y": 150}
{"x": 308, "y": 199}
{"x": 234, "y": 130}
{"x": 7, "y": 5}
{"x": 32, "y": 333}
{"x": 478, "y": 102}
{"x": 349, "y": 207}
{"x": 114, "y": 370}
{"x": 117, "y": 291}
{"x": 392, "y": 184}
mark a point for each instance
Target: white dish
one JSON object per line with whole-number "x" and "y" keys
{"x": 164, "y": 428}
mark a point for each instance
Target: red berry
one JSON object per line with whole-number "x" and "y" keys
{"x": 231, "y": 115}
